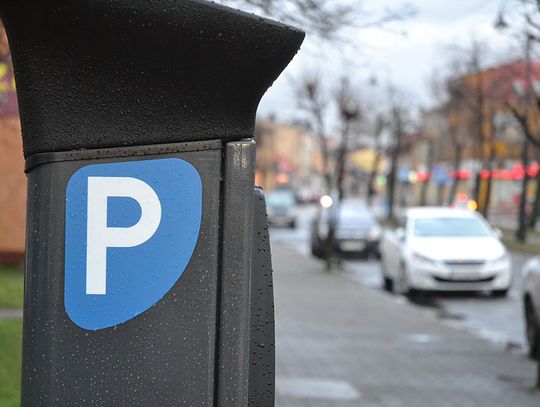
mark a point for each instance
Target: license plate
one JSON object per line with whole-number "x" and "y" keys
{"x": 352, "y": 246}
{"x": 465, "y": 275}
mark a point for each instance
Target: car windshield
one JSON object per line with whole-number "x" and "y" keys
{"x": 355, "y": 213}
{"x": 280, "y": 199}
{"x": 450, "y": 227}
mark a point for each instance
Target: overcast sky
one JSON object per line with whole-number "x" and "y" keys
{"x": 406, "y": 53}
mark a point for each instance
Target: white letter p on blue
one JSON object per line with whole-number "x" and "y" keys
{"x": 100, "y": 236}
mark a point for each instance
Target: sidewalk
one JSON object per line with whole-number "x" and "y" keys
{"x": 509, "y": 223}
{"x": 11, "y": 313}
{"x": 341, "y": 344}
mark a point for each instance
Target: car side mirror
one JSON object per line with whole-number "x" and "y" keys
{"x": 498, "y": 232}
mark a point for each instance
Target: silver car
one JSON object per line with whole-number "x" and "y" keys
{"x": 281, "y": 208}
{"x": 443, "y": 249}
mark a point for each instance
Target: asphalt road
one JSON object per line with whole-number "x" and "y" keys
{"x": 497, "y": 319}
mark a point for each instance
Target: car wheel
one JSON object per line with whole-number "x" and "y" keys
{"x": 388, "y": 283}
{"x": 316, "y": 250}
{"x": 292, "y": 224}
{"x": 401, "y": 285}
{"x": 531, "y": 328}
{"x": 316, "y": 253}
{"x": 500, "y": 293}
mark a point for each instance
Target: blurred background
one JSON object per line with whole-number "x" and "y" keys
{"x": 431, "y": 105}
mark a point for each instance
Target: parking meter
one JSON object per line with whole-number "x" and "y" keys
{"x": 148, "y": 275}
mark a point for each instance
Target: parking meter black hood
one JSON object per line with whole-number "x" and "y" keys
{"x": 114, "y": 73}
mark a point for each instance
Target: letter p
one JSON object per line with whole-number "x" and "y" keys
{"x": 100, "y": 236}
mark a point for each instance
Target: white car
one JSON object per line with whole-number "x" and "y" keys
{"x": 444, "y": 249}
{"x": 531, "y": 303}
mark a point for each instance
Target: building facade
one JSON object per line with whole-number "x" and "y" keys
{"x": 12, "y": 178}
{"x": 287, "y": 155}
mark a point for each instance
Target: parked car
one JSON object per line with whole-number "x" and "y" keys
{"x": 281, "y": 208}
{"x": 531, "y": 303}
{"x": 357, "y": 233}
{"x": 444, "y": 249}
{"x": 307, "y": 196}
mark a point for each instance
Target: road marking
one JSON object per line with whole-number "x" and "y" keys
{"x": 310, "y": 388}
{"x": 421, "y": 338}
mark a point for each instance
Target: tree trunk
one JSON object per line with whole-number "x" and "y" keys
{"x": 440, "y": 194}
{"x": 372, "y": 177}
{"x": 429, "y": 166}
{"x": 485, "y": 209}
{"x": 455, "y": 181}
{"x": 423, "y": 192}
{"x": 333, "y": 218}
{"x": 536, "y": 206}
{"x": 391, "y": 181}
{"x": 521, "y": 232}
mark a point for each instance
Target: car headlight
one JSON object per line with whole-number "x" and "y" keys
{"x": 499, "y": 261}
{"x": 374, "y": 233}
{"x": 424, "y": 259}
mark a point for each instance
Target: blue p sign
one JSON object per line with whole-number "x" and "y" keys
{"x": 131, "y": 229}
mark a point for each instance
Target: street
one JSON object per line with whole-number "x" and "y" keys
{"x": 341, "y": 339}
{"x": 496, "y": 319}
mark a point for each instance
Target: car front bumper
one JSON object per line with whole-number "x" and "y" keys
{"x": 356, "y": 247}
{"x": 484, "y": 279}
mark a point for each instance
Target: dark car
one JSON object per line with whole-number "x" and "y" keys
{"x": 357, "y": 233}
{"x": 281, "y": 208}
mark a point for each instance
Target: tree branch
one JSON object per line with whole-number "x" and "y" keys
{"x": 324, "y": 18}
{"x": 524, "y": 123}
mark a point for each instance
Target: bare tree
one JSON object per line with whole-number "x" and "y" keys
{"x": 325, "y": 18}
{"x": 316, "y": 101}
{"x": 313, "y": 101}
{"x": 430, "y": 161}
{"x": 458, "y": 142}
{"x": 398, "y": 123}
{"x": 526, "y": 109}
{"x": 471, "y": 88}
{"x": 535, "y": 212}
{"x": 450, "y": 120}
{"x": 350, "y": 113}
{"x": 378, "y": 129}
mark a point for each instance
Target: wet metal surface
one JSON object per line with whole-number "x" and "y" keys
{"x": 197, "y": 72}
{"x": 162, "y": 356}
{"x": 262, "y": 335}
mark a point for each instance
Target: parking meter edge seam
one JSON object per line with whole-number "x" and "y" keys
{"x": 37, "y": 159}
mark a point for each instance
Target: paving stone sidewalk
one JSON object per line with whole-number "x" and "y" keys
{"x": 341, "y": 344}
{"x": 11, "y": 313}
